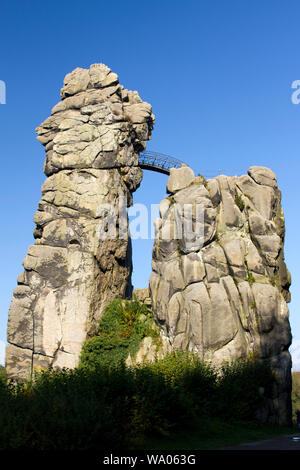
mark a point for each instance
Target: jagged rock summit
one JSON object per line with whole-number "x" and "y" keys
{"x": 92, "y": 141}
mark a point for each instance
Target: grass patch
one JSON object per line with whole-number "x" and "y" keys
{"x": 239, "y": 201}
{"x": 2, "y": 373}
{"x": 216, "y": 434}
{"x": 250, "y": 278}
{"x": 202, "y": 179}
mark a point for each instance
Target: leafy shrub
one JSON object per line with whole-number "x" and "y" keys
{"x": 65, "y": 410}
{"x": 107, "y": 407}
{"x": 296, "y": 393}
{"x": 239, "y": 202}
{"x": 2, "y": 373}
{"x": 158, "y": 408}
{"x": 171, "y": 394}
{"x": 243, "y": 387}
{"x": 186, "y": 372}
{"x": 104, "y": 404}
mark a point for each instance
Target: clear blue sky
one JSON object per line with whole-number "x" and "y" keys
{"x": 217, "y": 73}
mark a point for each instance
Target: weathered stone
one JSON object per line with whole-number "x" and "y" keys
{"x": 75, "y": 82}
{"x": 234, "y": 249}
{"x": 150, "y": 350}
{"x": 231, "y": 292}
{"x": 262, "y": 197}
{"x": 138, "y": 113}
{"x": 20, "y": 324}
{"x": 265, "y": 305}
{"x": 253, "y": 260}
{"x": 193, "y": 269}
{"x": 230, "y": 214}
{"x": 164, "y": 207}
{"x": 143, "y": 296}
{"x": 18, "y": 362}
{"x": 269, "y": 246}
{"x": 214, "y": 191}
{"x": 101, "y": 76}
{"x": 74, "y": 269}
{"x": 262, "y": 175}
{"x": 220, "y": 326}
{"x": 179, "y": 178}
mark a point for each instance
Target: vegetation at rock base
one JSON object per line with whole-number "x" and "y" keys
{"x": 296, "y": 393}
{"x": 122, "y": 326}
{"x": 113, "y": 406}
{"x": 215, "y": 434}
{"x": 102, "y": 404}
{"x": 2, "y": 373}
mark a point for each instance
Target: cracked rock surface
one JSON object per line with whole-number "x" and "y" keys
{"x": 221, "y": 289}
{"x": 92, "y": 141}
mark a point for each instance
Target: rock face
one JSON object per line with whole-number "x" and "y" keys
{"x": 92, "y": 140}
{"x": 219, "y": 284}
{"x": 143, "y": 296}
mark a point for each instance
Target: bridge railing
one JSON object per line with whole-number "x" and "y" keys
{"x": 158, "y": 161}
{"x": 162, "y": 163}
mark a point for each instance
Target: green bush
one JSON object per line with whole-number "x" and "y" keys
{"x": 65, "y": 410}
{"x": 102, "y": 407}
{"x": 122, "y": 326}
{"x": 239, "y": 201}
{"x": 185, "y": 371}
{"x": 296, "y": 393}
{"x": 243, "y": 387}
{"x": 171, "y": 393}
{"x": 2, "y": 373}
{"x": 158, "y": 408}
{"x": 105, "y": 405}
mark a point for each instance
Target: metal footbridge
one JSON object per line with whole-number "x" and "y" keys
{"x": 162, "y": 163}
{"x": 158, "y": 162}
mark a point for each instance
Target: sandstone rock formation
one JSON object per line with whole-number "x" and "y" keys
{"x": 219, "y": 285}
{"x": 143, "y": 296}
{"x": 149, "y": 349}
{"x": 221, "y": 288}
{"x": 92, "y": 140}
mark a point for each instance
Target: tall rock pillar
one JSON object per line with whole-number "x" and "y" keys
{"x": 92, "y": 140}
{"x": 219, "y": 283}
